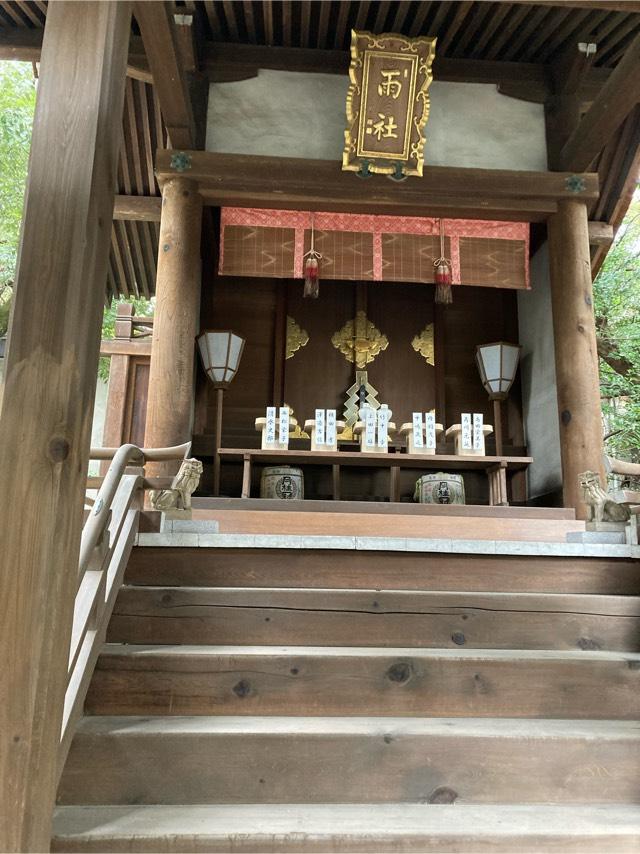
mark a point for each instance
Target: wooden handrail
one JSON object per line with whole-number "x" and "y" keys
{"x": 105, "y": 547}
{"x": 613, "y": 466}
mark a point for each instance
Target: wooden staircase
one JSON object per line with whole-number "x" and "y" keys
{"x": 387, "y": 702}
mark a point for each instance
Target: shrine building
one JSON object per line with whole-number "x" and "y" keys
{"x": 350, "y": 552}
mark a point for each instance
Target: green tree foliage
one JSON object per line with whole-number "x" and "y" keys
{"x": 17, "y": 103}
{"x": 617, "y": 308}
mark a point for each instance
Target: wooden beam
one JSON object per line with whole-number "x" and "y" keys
{"x": 157, "y": 27}
{"x": 51, "y": 371}
{"x": 600, "y": 234}
{"x": 301, "y": 184}
{"x": 144, "y": 208}
{"x": 24, "y": 45}
{"x": 617, "y": 98}
{"x": 631, "y": 6}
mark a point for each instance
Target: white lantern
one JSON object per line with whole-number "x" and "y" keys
{"x": 220, "y": 352}
{"x": 497, "y": 364}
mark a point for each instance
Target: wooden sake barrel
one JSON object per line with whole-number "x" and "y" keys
{"x": 440, "y": 488}
{"x": 284, "y": 482}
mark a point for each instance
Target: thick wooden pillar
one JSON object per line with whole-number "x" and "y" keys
{"x": 575, "y": 348}
{"x": 176, "y": 319}
{"x": 51, "y": 373}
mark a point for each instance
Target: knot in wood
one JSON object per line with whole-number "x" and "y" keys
{"x": 442, "y": 795}
{"x": 565, "y": 417}
{"x": 59, "y": 449}
{"x": 399, "y": 672}
{"x": 458, "y": 638}
{"x": 242, "y": 688}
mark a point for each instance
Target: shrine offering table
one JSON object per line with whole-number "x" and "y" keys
{"x": 496, "y": 468}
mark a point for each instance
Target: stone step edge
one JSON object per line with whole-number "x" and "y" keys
{"x": 394, "y": 544}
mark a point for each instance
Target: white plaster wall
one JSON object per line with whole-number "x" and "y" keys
{"x": 538, "y": 375}
{"x": 293, "y": 114}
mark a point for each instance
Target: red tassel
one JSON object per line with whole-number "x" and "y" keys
{"x": 311, "y": 277}
{"x": 443, "y": 280}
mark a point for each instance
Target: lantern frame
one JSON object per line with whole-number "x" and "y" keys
{"x": 502, "y": 378}
{"x": 229, "y": 372}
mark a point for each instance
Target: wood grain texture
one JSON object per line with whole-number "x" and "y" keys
{"x": 374, "y": 618}
{"x": 385, "y": 570}
{"x": 274, "y": 829}
{"x": 157, "y": 28}
{"x": 576, "y": 354}
{"x": 49, "y": 392}
{"x": 220, "y": 760}
{"x": 176, "y": 318}
{"x": 209, "y": 680}
{"x": 303, "y": 184}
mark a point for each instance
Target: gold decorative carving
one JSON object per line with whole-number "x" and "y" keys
{"x": 359, "y": 341}
{"x": 296, "y": 338}
{"x": 297, "y": 432}
{"x": 423, "y": 344}
{"x": 387, "y": 104}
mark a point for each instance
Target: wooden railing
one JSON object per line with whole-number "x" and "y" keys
{"x": 107, "y": 539}
{"x": 624, "y": 469}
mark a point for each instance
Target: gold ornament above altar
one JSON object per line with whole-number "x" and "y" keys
{"x": 296, "y": 338}
{"x": 387, "y": 104}
{"x": 423, "y": 344}
{"x": 359, "y": 340}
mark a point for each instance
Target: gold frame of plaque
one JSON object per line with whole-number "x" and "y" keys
{"x": 387, "y": 104}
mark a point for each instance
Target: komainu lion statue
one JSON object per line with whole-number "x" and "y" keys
{"x": 602, "y": 507}
{"x": 185, "y": 483}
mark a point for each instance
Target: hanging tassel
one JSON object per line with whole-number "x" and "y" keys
{"x": 311, "y": 281}
{"x": 312, "y": 269}
{"x": 443, "y": 276}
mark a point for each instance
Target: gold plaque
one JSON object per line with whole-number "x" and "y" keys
{"x": 423, "y": 344}
{"x": 359, "y": 341}
{"x": 387, "y": 104}
{"x": 296, "y": 338}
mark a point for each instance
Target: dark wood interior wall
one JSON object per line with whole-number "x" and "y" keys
{"x": 319, "y": 375}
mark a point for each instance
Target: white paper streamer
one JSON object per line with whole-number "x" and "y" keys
{"x": 370, "y": 428}
{"x": 270, "y": 435}
{"x": 320, "y": 427}
{"x": 466, "y": 437}
{"x": 430, "y": 430}
{"x": 383, "y": 424}
{"x": 477, "y": 431}
{"x": 330, "y": 432}
{"x": 418, "y": 441}
{"x": 283, "y": 430}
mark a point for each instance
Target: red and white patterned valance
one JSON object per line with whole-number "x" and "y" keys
{"x": 258, "y": 242}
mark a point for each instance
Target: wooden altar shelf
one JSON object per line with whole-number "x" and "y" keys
{"x": 496, "y": 468}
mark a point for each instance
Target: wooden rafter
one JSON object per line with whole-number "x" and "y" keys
{"x": 618, "y": 97}
{"x": 157, "y": 28}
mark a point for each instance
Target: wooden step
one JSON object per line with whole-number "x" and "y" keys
{"x": 209, "y": 680}
{"x": 523, "y": 527}
{"x": 215, "y": 760}
{"x": 201, "y": 615}
{"x": 231, "y": 567}
{"x": 348, "y": 828}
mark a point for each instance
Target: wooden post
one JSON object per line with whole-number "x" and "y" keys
{"x": 497, "y": 425}
{"x": 217, "y": 440}
{"x": 576, "y": 352}
{"x": 176, "y": 318}
{"x": 51, "y": 374}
